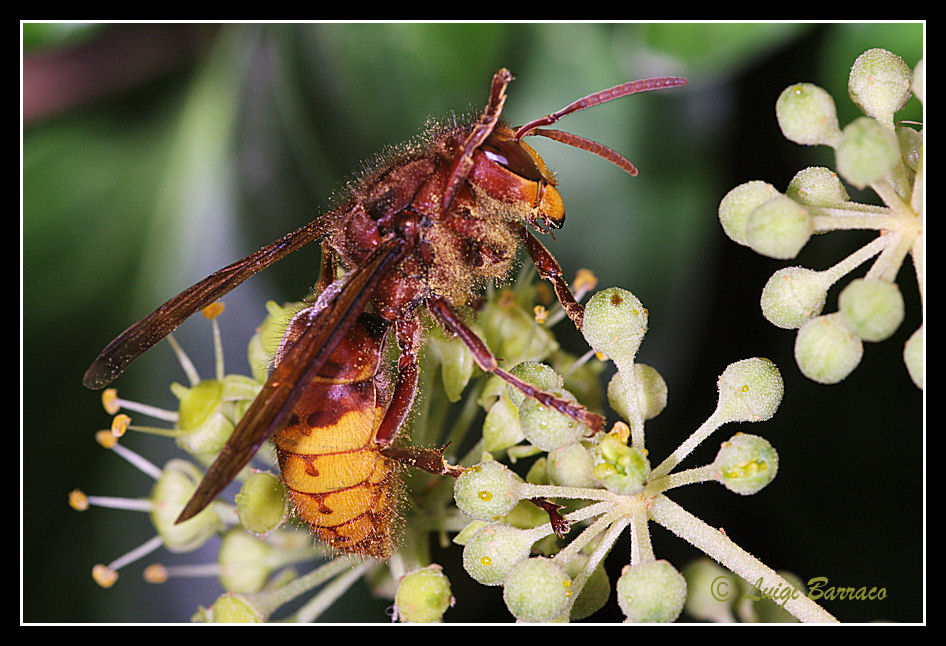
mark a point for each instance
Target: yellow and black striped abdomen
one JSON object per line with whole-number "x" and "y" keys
{"x": 337, "y": 479}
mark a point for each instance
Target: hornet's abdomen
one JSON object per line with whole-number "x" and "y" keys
{"x": 337, "y": 479}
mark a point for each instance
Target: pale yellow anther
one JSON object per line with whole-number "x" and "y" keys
{"x": 120, "y": 425}
{"x": 213, "y": 310}
{"x": 110, "y": 401}
{"x": 155, "y": 573}
{"x": 106, "y": 439}
{"x": 104, "y": 575}
{"x": 78, "y": 500}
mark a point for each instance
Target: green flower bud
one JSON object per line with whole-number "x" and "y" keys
{"x": 871, "y": 308}
{"x": 879, "y": 83}
{"x": 806, "y": 115}
{"x": 735, "y": 207}
{"x": 911, "y": 146}
{"x": 746, "y": 463}
{"x": 493, "y": 550}
{"x": 826, "y": 351}
{"x": 750, "y": 390}
{"x": 651, "y": 592}
{"x": 867, "y": 152}
{"x": 207, "y": 412}
{"x": 525, "y": 515}
{"x": 536, "y": 590}
{"x": 501, "y": 428}
{"x": 197, "y": 403}
{"x": 261, "y": 504}
{"x": 235, "y": 608}
{"x": 913, "y": 353}
{"x": 512, "y": 332}
{"x": 538, "y": 374}
{"x": 264, "y": 344}
{"x": 711, "y": 591}
{"x": 243, "y": 560}
{"x": 817, "y": 186}
{"x": 652, "y": 397}
{"x": 487, "y": 491}
{"x": 614, "y": 325}
{"x": 618, "y": 467}
{"x": 423, "y": 596}
{"x": 919, "y": 81}
{"x": 548, "y": 429}
{"x": 794, "y": 295}
{"x": 778, "y": 228}
{"x": 594, "y": 594}
{"x": 571, "y": 466}
{"x": 170, "y": 493}
{"x": 456, "y": 363}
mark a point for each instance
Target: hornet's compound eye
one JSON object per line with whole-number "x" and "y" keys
{"x": 518, "y": 157}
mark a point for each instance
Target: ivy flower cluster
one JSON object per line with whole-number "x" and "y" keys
{"x": 872, "y": 151}
{"x": 605, "y": 484}
{"x": 543, "y": 537}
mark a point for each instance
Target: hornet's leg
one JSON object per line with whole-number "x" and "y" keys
{"x": 409, "y": 335}
{"x": 485, "y": 359}
{"x": 550, "y": 270}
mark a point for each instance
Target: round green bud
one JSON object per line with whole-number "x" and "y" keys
{"x": 538, "y": 374}
{"x": 261, "y": 504}
{"x": 536, "y": 590}
{"x": 879, "y": 83}
{"x": 614, "y": 324}
{"x": 652, "y": 592}
{"x": 170, "y": 493}
{"x": 911, "y": 146}
{"x": 913, "y": 356}
{"x": 737, "y": 204}
{"x": 618, "y": 467}
{"x": 806, "y": 115}
{"x": 651, "y": 398}
{"x": 265, "y": 343}
{"x": 712, "y": 590}
{"x": 867, "y": 151}
{"x": 546, "y": 428}
{"x": 746, "y": 463}
{"x": 492, "y": 551}
{"x": 594, "y": 594}
{"x": 233, "y": 608}
{"x": 526, "y": 515}
{"x": 197, "y": 403}
{"x": 243, "y": 560}
{"x": 512, "y": 332}
{"x": 487, "y": 491}
{"x": 826, "y": 351}
{"x": 750, "y": 390}
{"x": 919, "y": 81}
{"x": 871, "y": 308}
{"x": 571, "y": 466}
{"x": 456, "y": 363}
{"x": 817, "y": 186}
{"x": 501, "y": 428}
{"x": 778, "y": 228}
{"x": 207, "y": 412}
{"x": 793, "y": 296}
{"x": 423, "y": 595}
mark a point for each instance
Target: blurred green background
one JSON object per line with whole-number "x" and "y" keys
{"x": 155, "y": 154}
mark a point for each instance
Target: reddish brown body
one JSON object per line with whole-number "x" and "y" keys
{"x": 330, "y": 451}
{"x": 422, "y": 231}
